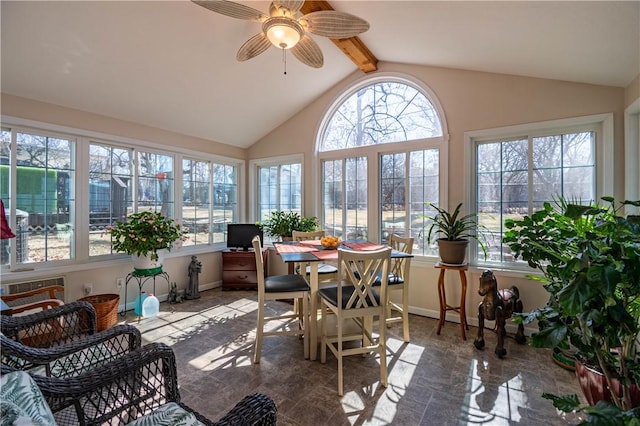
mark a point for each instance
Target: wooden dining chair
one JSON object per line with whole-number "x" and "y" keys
{"x": 280, "y": 287}
{"x": 325, "y": 270}
{"x": 354, "y": 297}
{"x": 399, "y": 281}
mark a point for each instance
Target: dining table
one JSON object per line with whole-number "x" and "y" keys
{"x": 312, "y": 252}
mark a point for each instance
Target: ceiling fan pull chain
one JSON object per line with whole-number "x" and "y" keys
{"x": 284, "y": 59}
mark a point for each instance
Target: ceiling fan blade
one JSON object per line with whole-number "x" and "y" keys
{"x": 333, "y": 24}
{"x": 253, "y": 47}
{"x": 293, "y": 5}
{"x": 308, "y": 52}
{"x": 234, "y": 10}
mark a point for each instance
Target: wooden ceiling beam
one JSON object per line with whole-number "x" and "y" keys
{"x": 352, "y": 47}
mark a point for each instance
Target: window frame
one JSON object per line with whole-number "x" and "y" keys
{"x": 373, "y": 152}
{"x": 83, "y": 138}
{"x": 601, "y": 124}
{"x": 254, "y": 177}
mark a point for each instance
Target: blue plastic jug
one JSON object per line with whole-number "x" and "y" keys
{"x": 150, "y": 306}
{"x": 137, "y": 305}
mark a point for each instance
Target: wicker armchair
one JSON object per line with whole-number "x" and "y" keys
{"x": 51, "y": 327}
{"x": 140, "y": 385}
{"x": 74, "y": 357}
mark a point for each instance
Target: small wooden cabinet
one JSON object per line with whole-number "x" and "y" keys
{"x": 239, "y": 270}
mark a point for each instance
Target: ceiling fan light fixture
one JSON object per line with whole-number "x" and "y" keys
{"x": 282, "y": 32}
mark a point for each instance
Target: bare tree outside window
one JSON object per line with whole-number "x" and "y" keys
{"x": 561, "y": 165}
{"x": 380, "y": 114}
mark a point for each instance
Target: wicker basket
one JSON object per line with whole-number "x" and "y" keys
{"x": 106, "y": 306}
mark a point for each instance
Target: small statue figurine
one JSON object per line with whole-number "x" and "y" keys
{"x": 174, "y": 295}
{"x": 193, "y": 290}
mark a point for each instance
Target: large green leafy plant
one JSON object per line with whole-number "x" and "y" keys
{"x": 145, "y": 233}
{"x": 282, "y": 223}
{"x": 590, "y": 260}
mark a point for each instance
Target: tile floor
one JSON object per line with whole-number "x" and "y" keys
{"x": 434, "y": 380}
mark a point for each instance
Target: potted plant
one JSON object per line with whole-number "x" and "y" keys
{"x": 143, "y": 235}
{"x": 455, "y": 231}
{"x": 590, "y": 260}
{"x": 281, "y": 224}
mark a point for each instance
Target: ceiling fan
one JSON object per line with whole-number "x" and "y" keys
{"x": 285, "y": 30}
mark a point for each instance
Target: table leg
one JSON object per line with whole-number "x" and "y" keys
{"x": 443, "y": 300}
{"x": 463, "y": 298}
{"x": 313, "y": 311}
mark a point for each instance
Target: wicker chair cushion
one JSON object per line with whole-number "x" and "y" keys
{"x": 77, "y": 363}
{"x": 22, "y": 401}
{"x": 168, "y": 414}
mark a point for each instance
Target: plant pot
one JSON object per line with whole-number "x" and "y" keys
{"x": 594, "y": 386}
{"x": 144, "y": 265}
{"x": 452, "y": 252}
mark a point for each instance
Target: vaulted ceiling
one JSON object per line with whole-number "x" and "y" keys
{"x": 171, "y": 64}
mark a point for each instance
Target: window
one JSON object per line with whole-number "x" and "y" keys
{"x": 408, "y": 180}
{"x": 345, "y": 198}
{"x": 382, "y": 142}
{"x": 44, "y": 195}
{"x": 110, "y": 192}
{"x": 515, "y": 175}
{"x": 43, "y": 171}
{"x": 225, "y": 200}
{"x": 196, "y": 200}
{"x": 279, "y": 186}
{"x": 155, "y": 183}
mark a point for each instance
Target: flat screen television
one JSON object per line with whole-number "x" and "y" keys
{"x": 239, "y": 235}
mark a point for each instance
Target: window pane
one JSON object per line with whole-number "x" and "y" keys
{"x": 408, "y": 184}
{"x": 196, "y": 201}
{"x": 355, "y": 199}
{"x": 332, "y": 199}
{"x": 559, "y": 165}
{"x": 383, "y": 112}
{"x": 225, "y": 200}
{"x": 44, "y": 193}
{"x": 424, "y": 175}
{"x": 110, "y": 200}
{"x": 279, "y": 188}
{"x": 155, "y": 183}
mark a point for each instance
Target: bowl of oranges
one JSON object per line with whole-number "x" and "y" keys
{"x": 330, "y": 243}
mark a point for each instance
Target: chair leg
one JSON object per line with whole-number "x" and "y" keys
{"x": 340, "y": 375}
{"x": 405, "y": 314}
{"x": 305, "y": 325}
{"x": 259, "y": 331}
{"x": 323, "y": 328}
{"x": 382, "y": 344}
{"x": 389, "y": 306}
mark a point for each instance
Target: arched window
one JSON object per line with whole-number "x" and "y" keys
{"x": 382, "y": 112}
{"x": 382, "y": 150}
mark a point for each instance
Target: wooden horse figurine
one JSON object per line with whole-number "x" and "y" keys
{"x": 497, "y": 305}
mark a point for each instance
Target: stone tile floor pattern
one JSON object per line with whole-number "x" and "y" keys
{"x": 433, "y": 380}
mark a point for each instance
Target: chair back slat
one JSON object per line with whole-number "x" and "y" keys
{"x": 304, "y": 236}
{"x": 361, "y": 270}
{"x": 404, "y": 245}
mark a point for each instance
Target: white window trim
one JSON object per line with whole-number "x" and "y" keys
{"x": 632, "y": 151}
{"x": 270, "y": 162}
{"x": 83, "y": 137}
{"x": 372, "y": 152}
{"x": 604, "y": 152}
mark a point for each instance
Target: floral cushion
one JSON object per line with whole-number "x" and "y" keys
{"x": 22, "y": 401}
{"x": 170, "y": 414}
